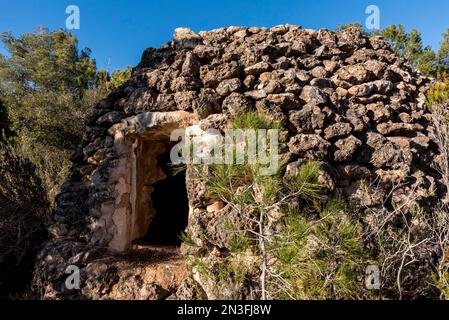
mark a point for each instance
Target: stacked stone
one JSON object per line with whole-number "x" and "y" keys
{"x": 345, "y": 100}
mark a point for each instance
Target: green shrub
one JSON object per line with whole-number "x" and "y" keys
{"x": 187, "y": 239}
{"x": 253, "y": 120}
{"x": 438, "y": 95}
{"x": 304, "y": 182}
{"x": 321, "y": 259}
{"x": 317, "y": 259}
{"x": 24, "y": 215}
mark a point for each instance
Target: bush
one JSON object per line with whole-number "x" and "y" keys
{"x": 321, "y": 258}
{"x": 300, "y": 242}
{"x": 438, "y": 95}
{"x": 289, "y": 254}
{"x": 24, "y": 213}
{"x": 48, "y": 88}
{"x": 253, "y": 120}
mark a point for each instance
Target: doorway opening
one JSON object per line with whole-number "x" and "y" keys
{"x": 171, "y": 206}
{"x": 150, "y": 205}
{"x": 161, "y": 205}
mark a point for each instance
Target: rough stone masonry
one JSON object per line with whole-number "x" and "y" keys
{"x": 345, "y": 100}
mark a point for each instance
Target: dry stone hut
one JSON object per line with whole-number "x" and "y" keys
{"x": 344, "y": 99}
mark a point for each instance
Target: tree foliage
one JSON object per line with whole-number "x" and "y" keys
{"x": 409, "y": 45}
{"x": 4, "y": 122}
{"x": 107, "y": 82}
{"x": 438, "y": 95}
{"x": 443, "y": 54}
{"x": 47, "y": 86}
{"x": 43, "y": 83}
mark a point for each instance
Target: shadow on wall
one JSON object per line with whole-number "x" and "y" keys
{"x": 171, "y": 205}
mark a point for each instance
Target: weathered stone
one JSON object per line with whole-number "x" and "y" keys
{"x": 206, "y": 52}
{"x": 307, "y": 119}
{"x": 256, "y": 94}
{"x": 321, "y": 83}
{"x": 258, "y": 68}
{"x": 314, "y": 95}
{"x": 309, "y": 62}
{"x": 185, "y": 38}
{"x": 303, "y": 76}
{"x": 337, "y": 130}
{"x": 353, "y": 171}
{"x": 375, "y": 140}
{"x": 378, "y": 112}
{"x": 331, "y": 66}
{"x": 186, "y": 100}
{"x": 266, "y": 76}
{"x": 351, "y": 37}
{"x": 226, "y": 87}
{"x": 285, "y": 101}
{"x": 110, "y": 118}
{"x": 216, "y": 206}
{"x": 273, "y": 86}
{"x": 378, "y": 86}
{"x": 249, "y": 81}
{"x": 360, "y": 56}
{"x": 355, "y": 74}
{"x": 191, "y": 66}
{"x": 271, "y": 111}
{"x": 207, "y": 103}
{"x": 362, "y": 90}
{"x": 319, "y": 72}
{"x": 141, "y": 100}
{"x": 327, "y": 37}
{"x": 370, "y": 99}
{"x": 188, "y": 290}
{"x": 217, "y": 121}
{"x": 392, "y": 177}
{"x": 365, "y": 195}
{"x": 391, "y": 128}
{"x": 346, "y": 148}
{"x": 93, "y": 147}
{"x": 385, "y": 154}
{"x": 185, "y": 84}
{"x": 376, "y": 67}
{"x": 212, "y": 77}
{"x": 309, "y": 146}
{"x": 236, "y": 103}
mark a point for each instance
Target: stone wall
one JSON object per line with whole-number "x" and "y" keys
{"x": 345, "y": 100}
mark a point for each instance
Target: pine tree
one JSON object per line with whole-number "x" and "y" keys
{"x": 410, "y": 46}
{"x": 443, "y": 54}
{"x": 43, "y": 83}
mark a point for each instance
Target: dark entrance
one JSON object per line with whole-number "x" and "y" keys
{"x": 170, "y": 202}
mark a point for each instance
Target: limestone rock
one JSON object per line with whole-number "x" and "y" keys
{"x": 226, "y": 87}
{"x": 310, "y": 146}
{"x": 285, "y": 101}
{"x": 354, "y": 74}
{"x": 185, "y": 38}
{"x": 337, "y": 130}
{"x": 346, "y": 148}
{"x": 314, "y": 95}
{"x": 258, "y": 68}
{"x": 236, "y": 103}
{"x": 309, "y": 118}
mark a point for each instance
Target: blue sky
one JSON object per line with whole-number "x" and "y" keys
{"x": 119, "y": 31}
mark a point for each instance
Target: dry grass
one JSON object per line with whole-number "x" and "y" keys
{"x": 24, "y": 212}
{"x": 440, "y": 120}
